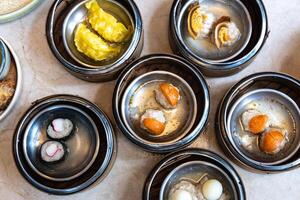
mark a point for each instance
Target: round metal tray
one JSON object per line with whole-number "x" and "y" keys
{"x": 179, "y": 67}
{"x": 56, "y": 16}
{"x": 98, "y": 169}
{"x": 267, "y": 80}
{"x": 158, "y": 174}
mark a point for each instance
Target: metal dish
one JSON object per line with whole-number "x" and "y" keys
{"x": 140, "y": 96}
{"x": 4, "y": 60}
{"x": 203, "y": 49}
{"x": 291, "y": 111}
{"x": 192, "y": 171}
{"x": 77, "y": 15}
{"x": 97, "y": 170}
{"x": 57, "y": 14}
{"x": 82, "y": 146}
{"x": 267, "y": 80}
{"x": 17, "y": 67}
{"x": 20, "y": 12}
{"x": 174, "y": 65}
{"x": 258, "y": 37}
{"x": 214, "y": 163}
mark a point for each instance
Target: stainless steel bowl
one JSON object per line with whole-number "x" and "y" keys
{"x": 174, "y": 65}
{"x": 77, "y": 15}
{"x": 137, "y": 98}
{"x": 4, "y": 60}
{"x": 292, "y": 111}
{"x": 258, "y": 37}
{"x": 82, "y": 146}
{"x": 285, "y": 85}
{"x": 56, "y": 17}
{"x": 204, "y": 49}
{"x": 84, "y": 143}
{"x": 193, "y": 171}
{"x": 15, "y": 63}
{"x": 186, "y": 162}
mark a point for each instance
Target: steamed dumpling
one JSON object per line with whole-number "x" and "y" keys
{"x": 94, "y": 46}
{"x": 153, "y": 121}
{"x": 226, "y": 33}
{"x": 167, "y": 95}
{"x": 105, "y": 24}
{"x": 200, "y": 23}
{"x": 273, "y": 140}
{"x": 254, "y": 121}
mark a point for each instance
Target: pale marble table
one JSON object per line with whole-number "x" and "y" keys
{"x": 44, "y": 75}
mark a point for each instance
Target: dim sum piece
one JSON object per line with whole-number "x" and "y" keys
{"x": 60, "y": 128}
{"x": 52, "y": 151}
{"x": 153, "y": 121}
{"x": 225, "y": 33}
{"x": 167, "y": 95}
{"x": 94, "y": 46}
{"x": 200, "y": 23}
{"x": 273, "y": 140}
{"x": 106, "y": 25}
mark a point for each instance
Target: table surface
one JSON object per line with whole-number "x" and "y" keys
{"x": 44, "y": 75}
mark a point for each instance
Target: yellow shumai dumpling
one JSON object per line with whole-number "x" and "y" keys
{"x": 105, "y": 24}
{"x": 92, "y": 45}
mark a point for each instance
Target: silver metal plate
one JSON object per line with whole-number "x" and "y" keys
{"x": 271, "y": 102}
{"x": 204, "y": 48}
{"x": 81, "y": 147}
{"x": 140, "y": 96}
{"x": 193, "y": 171}
{"x": 77, "y": 15}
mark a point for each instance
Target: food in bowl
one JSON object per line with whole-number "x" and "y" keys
{"x": 184, "y": 190}
{"x": 153, "y": 121}
{"x": 93, "y": 46}
{"x": 225, "y": 33}
{"x": 167, "y": 95}
{"x": 106, "y": 25}
{"x": 273, "y": 140}
{"x": 212, "y": 189}
{"x": 52, "y": 151}
{"x": 7, "y": 90}
{"x": 101, "y": 36}
{"x": 254, "y": 121}
{"x": 203, "y": 24}
{"x": 204, "y": 188}
{"x": 60, "y": 128}
{"x": 200, "y": 22}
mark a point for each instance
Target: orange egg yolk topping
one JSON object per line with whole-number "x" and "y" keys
{"x": 154, "y": 126}
{"x": 258, "y": 123}
{"x": 171, "y": 93}
{"x": 272, "y": 141}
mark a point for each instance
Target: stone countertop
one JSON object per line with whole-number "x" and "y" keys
{"x": 44, "y": 75}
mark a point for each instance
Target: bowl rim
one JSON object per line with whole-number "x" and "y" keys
{"x": 179, "y": 167}
{"x": 69, "y": 51}
{"x": 220, "y": 129}
{"x": 92, "y": 71}
{"x": 18, "y": 88}
{"x": 189, "y": 138}
{"x": 133, "y": 82}
{"x": 26, "y": 133}
{"x": 182, "y": 154}
{"x": 222, "y": 60}
{"x": 295, "y": 106}
{"x": 102, "y": 170}
{"x": 20, "y": 12}
{"x": 231, "y": 65}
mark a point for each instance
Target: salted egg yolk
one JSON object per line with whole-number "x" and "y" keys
{"x": 212, "y": 189}
{"x": 272, "y": 141}
{"x": 154, "y": 126}
{"x": 170, "y": 92}
{"x": 257, "y": 124}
